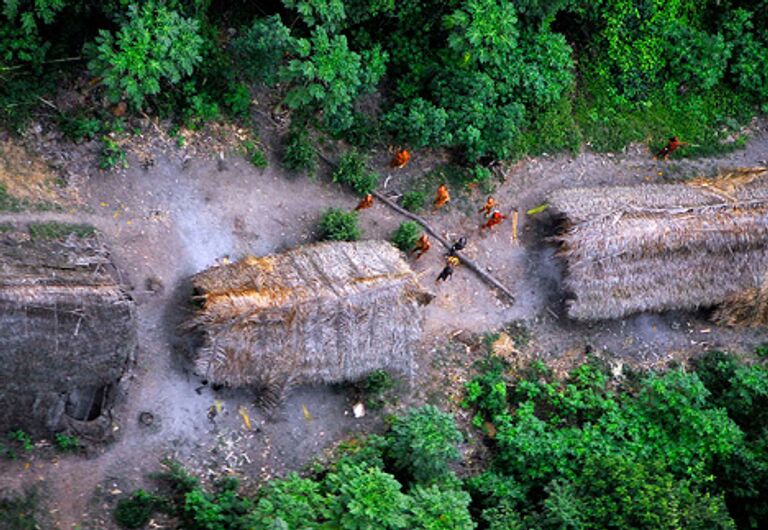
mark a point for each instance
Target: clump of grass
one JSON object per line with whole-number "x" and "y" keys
{"x": 112, "y": 154}
{"x": 255, "y": 154}
{"x": 351, "y": 171}
{"x": 54, "y": 230}
{"x": 406, "y": 235}
{"x": 18, "y": 512}
{"x": 135, "y": 511}
{"x": 78, "y": 126}
{"x": 299, "y": 153}
{"x": 375, "y": 386}
{"x": 66, "y": 443}
{"x": 339, "y": 225}
{"x": 414, "y": 201}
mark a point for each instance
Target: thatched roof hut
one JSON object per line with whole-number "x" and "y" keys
{"x": 67, "y": 332}
{"x": 321, "y": 313}
{"x": 660, "y": 247}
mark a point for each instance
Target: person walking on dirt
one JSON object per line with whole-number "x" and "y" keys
{"x": 670, "y": 148}
{"x": 457, "y": 246}
{"x": 496, "y": 218}
{"x": 366, "y": 202}
{"x": 422, "y": 246}
{"x": 441, "y": 198}
{"x": 401, "y": 159}
{"x": 446, "y": 273}
{"x": 488, "y": 206}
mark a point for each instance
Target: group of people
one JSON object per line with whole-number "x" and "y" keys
{"x": 492, "y": 217}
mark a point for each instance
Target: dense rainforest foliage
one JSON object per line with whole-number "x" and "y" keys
{"x": 486, "y": 79}
{"x": 681, "y": 449}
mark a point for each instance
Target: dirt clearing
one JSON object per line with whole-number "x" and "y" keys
{"x": 179, "y": 216}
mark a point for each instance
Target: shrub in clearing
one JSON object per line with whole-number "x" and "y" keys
{"x": 299, "y": 153}
{"x": 339, "y": 225}
{"x": 351, "y": 171}
{"x": 406, "y": 235}
{"x": 136, "y": 510}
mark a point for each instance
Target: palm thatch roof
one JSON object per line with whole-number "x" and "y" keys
{"x": 67, "y": 332}
{"x": 324, "y": 313}
{"x": 660, "y": 247}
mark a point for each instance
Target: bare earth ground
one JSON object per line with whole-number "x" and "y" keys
{"x": 181, "y": 214}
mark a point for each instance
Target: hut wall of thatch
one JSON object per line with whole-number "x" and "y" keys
{"x": 322, "y": 313}
{"x": 67, "y": 332}
{"x": 661, "y": 247}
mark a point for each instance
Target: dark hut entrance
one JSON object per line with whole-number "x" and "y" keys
{"x": 67, "y": 332}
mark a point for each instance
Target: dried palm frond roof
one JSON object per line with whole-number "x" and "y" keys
{"x": 320, "y": 313}
{"x": 659, "y": 247}
{"x": 67, "y": 329}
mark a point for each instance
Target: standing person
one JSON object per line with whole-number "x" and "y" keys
{"x": 441, "y": 198}
{"x": 457, "y": 246}
{"x": 401, "y": 159}
{"x": 496, "y": 218}
{"x": 422, "y": 246}
{"x": 446, "y": 273}
{"x": 366, "y": 202}
{"x": 670, "y": 148}
{"x": 488, "y": 206}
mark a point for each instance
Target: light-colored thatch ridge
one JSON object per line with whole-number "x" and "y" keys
{"x": 328, "y": 312}
{"x": 659, "y": 247}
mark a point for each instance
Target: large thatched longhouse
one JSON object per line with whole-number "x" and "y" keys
{"x": 673, "y": 246}
{"x": 322, "y": 313}
{"x": 67, "y": 332}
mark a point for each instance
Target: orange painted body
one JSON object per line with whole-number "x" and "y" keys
{"x": 496, "y": 218}
{"x": 442, "y": 197}
{"x": 422, "y": 246}
{"x": 365, "y": 202}
{"x": 401, "y": 159}
{"x": 488, "y": 207}
{"x": 670, "y": 148}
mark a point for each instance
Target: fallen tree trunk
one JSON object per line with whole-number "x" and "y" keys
{"x": 471, "y": 265}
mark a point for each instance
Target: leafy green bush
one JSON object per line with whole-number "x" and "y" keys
{"x": 423, "y": 443}
{"x": 292, "y": 502}
{"x": 413, "y": 201}
{"x": 112, "y": 155}
{"x": 66, "y": 443}
{"x": 18, "y": 511}
{"x": 262, "y": 47}
{"x": 351, "y": 171}
{"x": 437, "y": 509}
{"x": 255, "y": 154}
{"x": 153, "y": 45}
{"x": 135, "y": 511}
{"x": 339, "y": 225}
{"x": 367, "y": 498}
{"x": 298, "y": 151}
{"x": 22, "y": 438}
{"x": 672, "y": 446}
{"x": 406, "y": 235}
{"x": 79, "y": 126}
{"x": 375, "y": 386}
